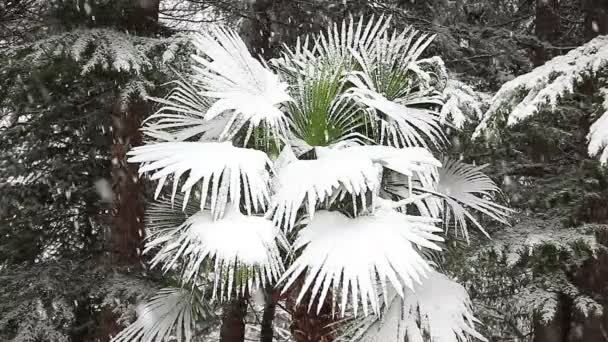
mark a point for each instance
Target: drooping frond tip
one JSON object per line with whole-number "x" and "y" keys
{"x": 229, "y": 173}
{"x": 241, "y": 251}
{"x": 346, "y": 254}
{"x": 241, "y": 84}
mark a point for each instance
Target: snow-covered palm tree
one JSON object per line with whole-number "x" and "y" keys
{"x": 315, "y": 168}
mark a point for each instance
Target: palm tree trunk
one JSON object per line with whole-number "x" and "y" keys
{"x": 310, "y": 326}
{"x": 233, "y": 320}
{"x": 270, "y": 305}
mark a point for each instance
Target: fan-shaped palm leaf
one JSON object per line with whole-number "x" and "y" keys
{"x": 171, "y": 312}
{"x": 244, "y": 250}
{"x": 354, "y": 170}
{"x": 357, "y": 253}
{"x": 219, "y": 164}
{"x": 462, "y": 185}
{"x": 334, "y": 46}
{"x": 239, "y": 82}
{"x": 181, "y": 117}
{"x": 319, "y": 114}
{"x": 162, "y": 214}
{"x": 437, "y": 307}
{"x": 399, "y": 123}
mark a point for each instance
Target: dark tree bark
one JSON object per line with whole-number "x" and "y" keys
{"x": 127, "y": 231}
{"x": 270, "y": 305}
{"x": 128, "y": 191}
{"x": 233, "y": 321}
{"x": 310, "y": 326}
{"x": 558, "y": 329}
{"x": 596, "y": 18}
{"x": 592, "y": 279}
{"x": 547, "y": 29}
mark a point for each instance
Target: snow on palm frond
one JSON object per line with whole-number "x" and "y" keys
{"x": 461, "y": 104}
{"x": 394, "y": 86}
{"x": 242, "y": 251}
{"x": 356, "y": 256}
{"x": 314, "y": 181}
{"x": 334, "y": 46}
{"x": 220, "y": 165}
{"x": 181, "y": 116}
{"x": 437, "y": 309}
{"x": 171, "y": 312}
{"x": 399, "y": 123}
{"x": 525, "y": 95}
{"x": 239, "y": 82}
{"x": 462, "y": 185}
{"x": 354, "y": 170}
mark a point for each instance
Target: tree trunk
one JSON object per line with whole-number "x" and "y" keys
{"x": 127, "y": 231}
{"x": 143, "y": 16}
{"x": 270, "y": 305}
{"x": 256, "y": 31}
{"x": 596, "y": 18}
{"x": 592, "y": 279}
{"x": 233, "y": 320}
{"x": 556, "y": 330}
{"x": 310, "y": 326}
{"x": 128, "y": 191}
{"x": 547, "y": 28}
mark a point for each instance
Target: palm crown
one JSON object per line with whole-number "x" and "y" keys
{"x": 354, "y": 115}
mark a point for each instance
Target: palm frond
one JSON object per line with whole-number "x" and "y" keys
{"x": 315, "y": 181}
{"x": 400, "y": 124}
{"x": 319, "y": 115}
{"x": 462, "y": 185}
{"x": 241, "y": 251}
{"x": 181, "y": 116}
{"x": 356, "y": 254}
{"x": 171, "y": 312}
{"x": 438, "y": 308}
{"x": 220, "y": 165}
{"x": 239, "y": 82}
{"x": 162, "y": 214}
{"x": 354, "y": 170}
{"x": 335, "y": 45}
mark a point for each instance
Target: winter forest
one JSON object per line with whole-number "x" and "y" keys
{"x": 303, "y": 170}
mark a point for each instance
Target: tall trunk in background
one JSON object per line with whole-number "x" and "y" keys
{"x": 558, "y": 329}
{"x": 547, "y": 29}
{"x": 596, "y": 18}
{"x": 127, "y": 232}
{"x": 592, "y": 276}
{"x": 127, "y": 189}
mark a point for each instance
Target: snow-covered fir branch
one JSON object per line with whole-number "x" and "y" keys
{"x": 525, "y": 95}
